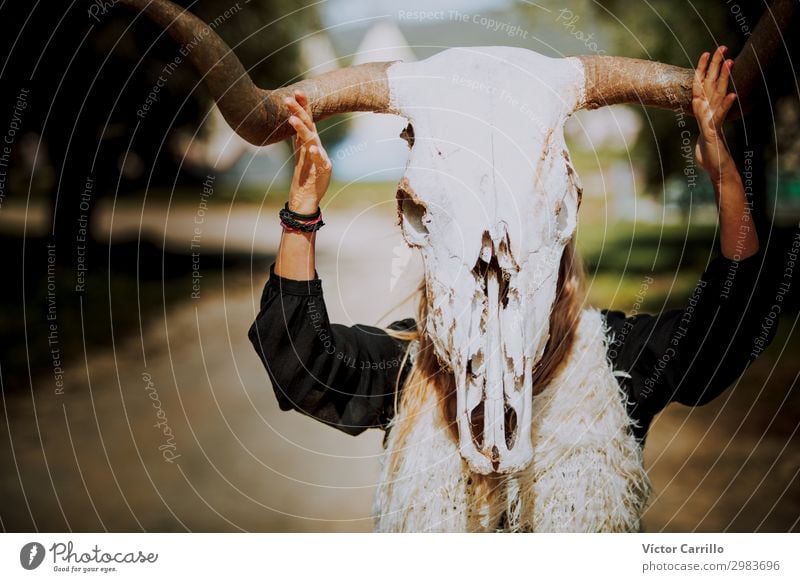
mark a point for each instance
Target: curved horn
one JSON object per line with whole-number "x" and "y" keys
{"x": 612, "y": 80}
{"x": 259, "y": 116}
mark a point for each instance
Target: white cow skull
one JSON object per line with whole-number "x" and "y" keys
{"x": 490, "y": 199}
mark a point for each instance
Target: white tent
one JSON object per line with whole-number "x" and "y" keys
{"x": 373, "y": 150}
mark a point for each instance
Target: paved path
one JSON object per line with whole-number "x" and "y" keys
{"x": 95, "y": 457}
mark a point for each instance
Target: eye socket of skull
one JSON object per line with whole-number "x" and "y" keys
{"x": 566, "y": 218}
{"x": 413, "y": 218}
{"x": 408, "y": 135}
{"x": 566, "y": 209}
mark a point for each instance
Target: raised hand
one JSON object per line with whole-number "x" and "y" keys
{"x": 711, "y": 103}
{"x": 312, "y": 170}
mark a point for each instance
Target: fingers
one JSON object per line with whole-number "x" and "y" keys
{"x": 716, "y": 62}
{"x": 300, "y": 108}
{"x": 722, "y": 100}
{"x": 700, "y": 74}
{"x": 301, "y": 119}
{"x": 300, "y": 171}
{"x": 710, "y": 86}
{"x": 304, "y": 133}
{"x": 306, "y": 138}
{"x": 725, "y": 73}
{"x": 302, "y": 100}
{"x": 320, "y": 157}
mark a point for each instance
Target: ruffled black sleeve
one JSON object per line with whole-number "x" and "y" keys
{"x": 343, "y": 376}
{"x": 692, "y": 355}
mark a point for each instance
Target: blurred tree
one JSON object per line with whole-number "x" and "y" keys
{"x": 89, "y": 68}
{"x": 677, "y": 32}
{"x": 73, "y": 76}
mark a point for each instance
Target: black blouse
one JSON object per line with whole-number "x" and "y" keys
{"x": 345, "y": 376}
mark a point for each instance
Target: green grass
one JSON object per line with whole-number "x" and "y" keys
{"x": 340, "y": 195}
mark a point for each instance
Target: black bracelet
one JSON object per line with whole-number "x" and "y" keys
{"x": 290, "y": 221}
{"x": 298, "y": 216}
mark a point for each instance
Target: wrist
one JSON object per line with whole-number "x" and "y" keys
{"x": 303, "y": 205}
{"x": 300, "y": 220}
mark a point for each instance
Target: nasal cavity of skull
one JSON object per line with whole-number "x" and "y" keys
{"x": 510, "y": 419}
{"x": 484, "y": 269}
{"x": 474, "y": 370}
{"x": 477, "y": 419}
{"x": 413, "y": 216}
{"x": 476, "y": 425}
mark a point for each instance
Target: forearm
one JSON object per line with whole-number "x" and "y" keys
{"x": 296, "y": 251}
{"x": 711, "y": 102}
{"x": 310, "y": 180}
{"x": 738, "y": 238}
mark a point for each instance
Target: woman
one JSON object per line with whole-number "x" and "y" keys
{"x": 688, "y": 356}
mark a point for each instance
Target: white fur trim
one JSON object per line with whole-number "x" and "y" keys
{"x": 587, "y": 473}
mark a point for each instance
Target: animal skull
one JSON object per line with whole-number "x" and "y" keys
{"x": 490, "y": 199}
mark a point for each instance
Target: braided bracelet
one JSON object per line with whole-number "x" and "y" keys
{"x": 299, "y": 216}
{"x": 295, "y": 222}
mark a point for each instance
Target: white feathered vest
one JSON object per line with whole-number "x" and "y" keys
{"x": 586, "y": 475}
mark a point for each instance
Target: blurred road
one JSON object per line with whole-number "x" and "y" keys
{"x": 94, "y": 457}
{"x": 178, "y": 429}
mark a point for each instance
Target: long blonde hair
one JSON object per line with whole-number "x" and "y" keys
{"x": 428, "y": 373}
